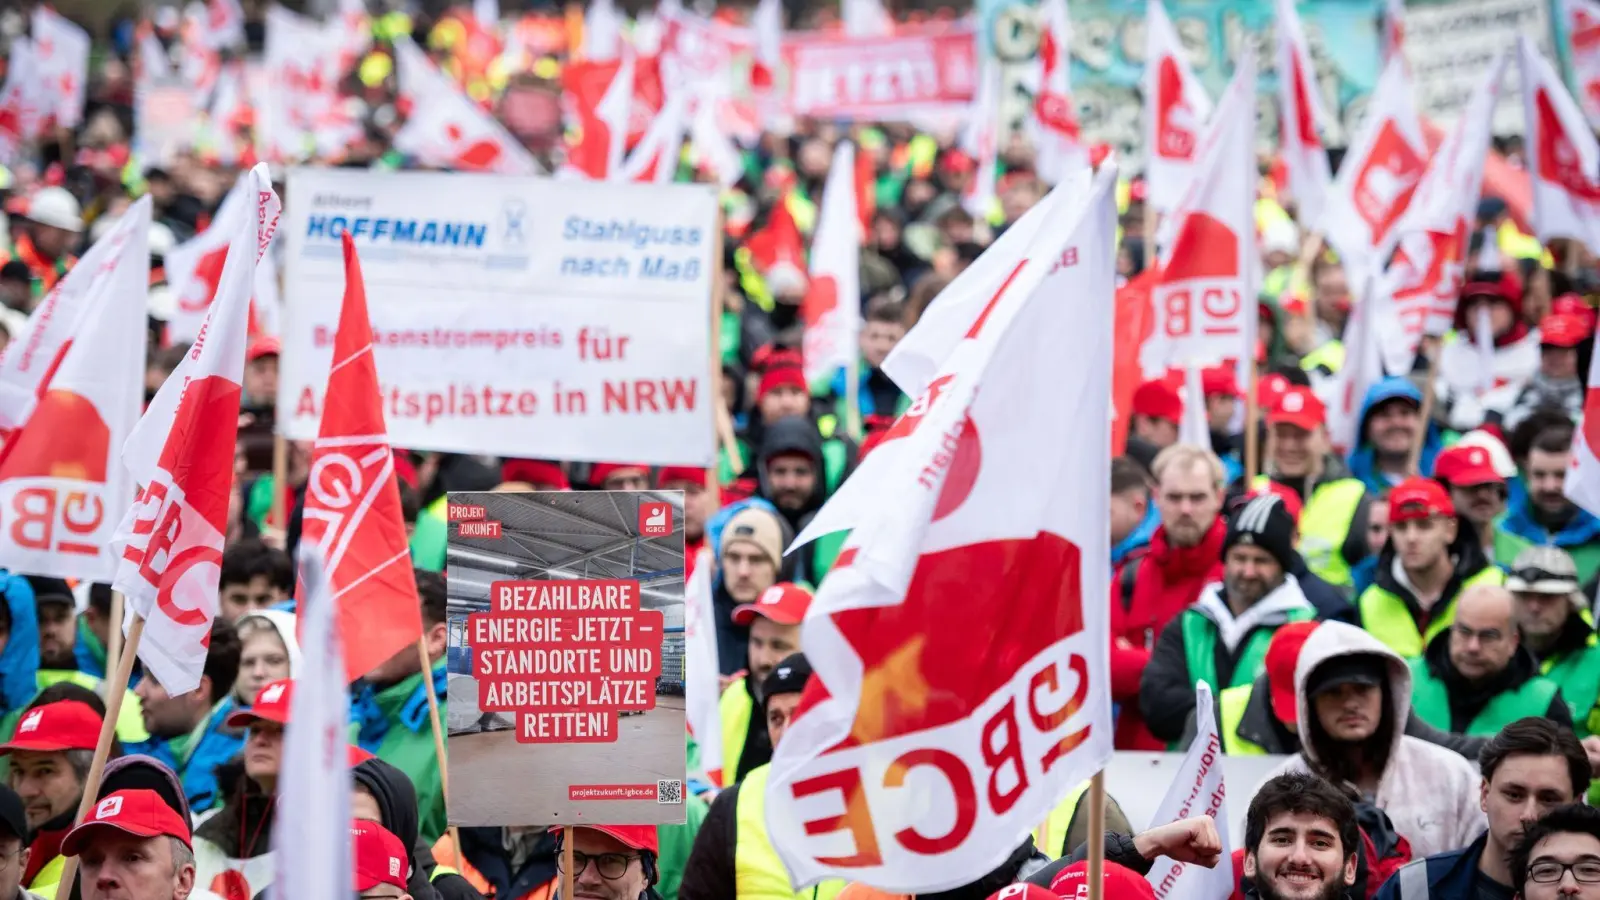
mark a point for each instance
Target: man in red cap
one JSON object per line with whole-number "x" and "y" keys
{"x": 698, "y": 507}
{"x": 1460, "y": 387}
{"x": 614, "y": 862}
{"x": 261, "y": 373}
{"x": 1156, "y": 413}
{"x": 50, "y": 755}
{"x": 1334, "y": 505}
{"x": 1559, "y": 382}
{"x": 619, "y": 476}
{"x": 774, "y": 623}
{"x": 1423, "y": 568}
{"x": 133, "y": 846}
{"x": 380, "y": 863}
{"x": 1477, "y": 491}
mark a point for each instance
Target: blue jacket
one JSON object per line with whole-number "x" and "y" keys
{"x": 1451, "y": 876}
{"x": 212, "y": 745}
{"x": 1583, "y": 528}
{"x": 19, "y": 661}
{"x": 1139, "y": 537}
{"x": 1362, "y": 460}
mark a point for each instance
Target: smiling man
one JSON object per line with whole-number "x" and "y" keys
{"x": 1301, "y": 840}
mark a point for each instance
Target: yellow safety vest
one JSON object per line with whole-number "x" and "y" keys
{"x": 130, "y": 718}
{"x": 49, "y": 878}
{"x": 1231, "y": 703}
{"x": 758, "y": 873}
{"x": 1049, "y": 836}
{"x": 735, "y": 708}
{"x": 1325, "y": 524}
{"x": 1385, "y": 616}
{"x": 1329, "y": 356}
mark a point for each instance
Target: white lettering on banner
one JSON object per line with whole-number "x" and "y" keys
{"x": 491, "y": 323}
{"x": 887, "y": 77}
{"x": 1020, "y": 733}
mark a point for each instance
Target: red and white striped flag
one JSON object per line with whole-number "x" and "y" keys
{"x": 181, "y": 455}
{"x": 1176, "y": 111}
{"x": 919, "y": 756}
{"x": 1563, "y": 156}
{"x": 702, "y": 688}
{"x": 63, "y": 486}
{"x": 1298, "y": 138}
{"x": 831, "y": 309}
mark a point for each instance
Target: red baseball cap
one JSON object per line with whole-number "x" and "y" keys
{"x": 537, "y": 472}
{"x": 1158, "y": 399}
{"x": 1574, "y": 305}
{"x": 1119, "y": 882}
{"x": 1466, "y": 466}
{"x": 785, "y": 603}
{"x": 1219, "y": 381}
{"x": 359, "y": 756}
{"x": 634, "y": 837}
{"x": 141, "y": 813}
{"x": 263, "y": 346}
{"x": 62, "y": 725}
{"x": 1299, "y": 407}
{"x": 1269, "y": 388}
{"x": 673, "y": 474}
{"x": 1283, "y": 653}
{"x": 378, "y": 856}
{"x": 600, "y": 472}
{"x": 1024, "y": 891}
{"x": 1563, "y": 330}
{"x": 1419, "y": 498}
{"x": 271, "y": 705}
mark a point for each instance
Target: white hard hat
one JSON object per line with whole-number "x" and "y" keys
{"x": 161, "y": 239}
{"x": 55, "y": 207}
{"x": 161, "y": 304}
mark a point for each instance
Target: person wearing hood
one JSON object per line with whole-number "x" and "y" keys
{"x": 1429, "y": 559}
{"x": 1352, "y": 700}
{"x": 1476, "y": 677}
{"x": 1559, "y": 382}
{"x": 389, "y": 707}
{"x": 383, "y": 794}
{"x": 233, "y": 842}
{"x": 1557, "y": 629}
{"x": 1222, "y": 639}
{"x": 1460, "y": 386}
{"x": 1541, "y": 514}
{"x": 189, "y": 731}
{"x": 749, "y": 544}
{"x": 795, "y": 471}
{"x": 1334, "y": 506}
{"x": 268, "y": 651}
{"x": 1390, "y": 426}
{"x": 1530, "y": 768}
{"x": 1134, "y": 519}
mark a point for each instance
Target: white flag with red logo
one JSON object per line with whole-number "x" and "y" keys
{"x": 831, "y": 309}
{"x": 1380, "y": 172}
{"x": 19, "y": 101}
{"x": 63, "y": 485}
{"x": 1394, "y": 31}
{"x": 766, "y": 23}
{"x": 1053, "y": 120}
{"x": 223, "y": 25}
{"x": 301, "y": 112}
{"x": 60, "y": 63}
{"x": 1198, "y": 790}
{"x": 1563, "y": 156}
{"x": 1176, "y": 111}
{"x": 181, "y": 455}
{"x": 1204, "y": 301}
{"x": 654, "y": 159}
{"x": 1582, "y": 21}
{"x": 701, "y": 687}
{"x": 1302, "y": 115}
{"x": 919, "y": 756}
{"x": 447, "y": 129}
{"x": 194, "y": 269}
{"x": 1583, "y": 481}
{"x": 1428, "y": 265}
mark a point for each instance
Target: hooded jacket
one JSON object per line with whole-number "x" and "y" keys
{"x": 392, "y": 722}
{"x": 1430, "y": 793}
{"x": 19, "y": 661}
{"x": 1517, "y": 530}
{"x": 283, "y": 622}
{"x": 397, "y": 805}
{"x": 794, "y": 435}
{"x": 1138, "y": 539}
{"x": 198, "y": 755}
{"x": 1363, "y": 461}
{"x": 1388, "y": 585}
{"x": 1166, "y": 693}
{"x": 1466, "y": 700}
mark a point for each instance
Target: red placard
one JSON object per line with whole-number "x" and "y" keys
{"x": 884, "y": 78}
{"x": 478, "y": 530}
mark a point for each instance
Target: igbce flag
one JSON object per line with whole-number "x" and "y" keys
{"x": 63, "y": 486}
{"x": 832, "y": 305}
{"x": 1302, "y": 112}
{"x": 919, "y": 756}
{"x": 1582, "y": 485}
{"x": 181, "y": 453}
{"x": 1176, "y": 110}
{"x": 352, "y": 511}
{"x": 1563, "y": 155}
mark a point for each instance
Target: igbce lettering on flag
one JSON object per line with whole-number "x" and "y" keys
{"x": 566, "y": 657}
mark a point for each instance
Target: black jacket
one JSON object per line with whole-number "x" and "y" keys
{"x": 1467, "y": 699}
{"x": 757, "y": 750}
{"x": 793, "y": 435}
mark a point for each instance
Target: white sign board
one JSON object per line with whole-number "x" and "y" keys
{"x": 1451, "y": 45}
{"x": 511, "y": 316}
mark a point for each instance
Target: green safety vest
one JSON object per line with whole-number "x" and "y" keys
{"x": 734, "y": 708}
{"x": 1325, "y": 524}
{"x": 1578, "y": 675}
{"x": 47, "y": 882}
{"x": 1050, "y": 835}
{"x": 1200, "y": 648}
{"x": 1430, "y": 699}
{"x": 1231, "y": 703}
{"x": 1329, "y": 358}
{"x": 1385, "y": 616}
{"x": 758, "y": 873}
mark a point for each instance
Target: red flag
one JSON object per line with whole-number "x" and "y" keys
{"x": 353, "y": 500}
{"x": 1132, "y": 327}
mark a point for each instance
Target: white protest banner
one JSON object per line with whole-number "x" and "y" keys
{"x": 508, "y": 315}
{"x": 1581, "y": 21}
{"x": 1197, "y": 789}
{"x": 1452, "y": 46}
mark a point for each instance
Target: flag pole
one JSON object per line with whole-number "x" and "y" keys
{"x": 852, "y": 398}
{"x": 1252, "y": 431}
{"x": 114, "y": 639}
{"x": 115, "y": 689}
{"x": 280, "y": 478}
{"x": 438, "y": 742}
{"x": 566, "y": 862}
{"x": 1097, "y": 835}
{"x": 1414, "y": 460}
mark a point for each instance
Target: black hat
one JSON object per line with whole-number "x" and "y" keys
{"x": 787, "y": 677}
{"x": 51, "y": 590}
{"x": 1266, "y": 523}
{"x": 1356, "y": 668}
{"x": 12, "y": 817}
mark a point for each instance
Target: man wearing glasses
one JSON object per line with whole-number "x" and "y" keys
{"x": 13, "y": 846}
{"x": 1475, "y": 677}
{"x": 613, "y": 862}
{"x": 1560, "y": 856}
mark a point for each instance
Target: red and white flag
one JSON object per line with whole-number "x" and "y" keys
{"x": 919, "y": 756}
{"x": 353, "y": 513}
{"x": 1563, "y": 157}
{"x": 701, "y": 688}
{"x": 63, "y": 487}
{"x": 1394, "y": 31}
{"x": 831, "y": 309}
{"x": 1053, "y": 119}
{"x": 60, "y": 63}
{"x": 1428, "y": 265}
{"x": 181, "y": 455}
{"x": 767, "y": 24}
{"x": 980, "y": 139}
{"x": 19, "y": 101}
{"x": 1583, "y": 482}
{"x": 194, "y": 271}
{"x": 711, "y": 149}
{"x": 1380, "y": 172}
{"x": 1177, "y": 109}
{"x": 1582, "y": 21}
{"x": 1205, "y": 306}
{"x": 1375, "y": 343}
{"x": 1198, "y": 790}
{"x": 1301, "y": 109}
{"x": 223, "y": 26}
{"x": 301, "y": 112}
{"x": 654, "y": 159}
{"x": 447, "y": 129}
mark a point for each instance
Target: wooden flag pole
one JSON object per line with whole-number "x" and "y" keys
{"x": 567, "y": 875}
{"x": 280, "y": 478}
{"x": 1414, "y": 461}
{"x": 115, "y": 689}
{"x": 1252, "y": 431}
{"x": 438, "y": 742}
{"x": 1097, "y": 835}
{"x": 114, "y": 633}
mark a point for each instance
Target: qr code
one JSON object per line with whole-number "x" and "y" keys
{"x": 669, "y": 791}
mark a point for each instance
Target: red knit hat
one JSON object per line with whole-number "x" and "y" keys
{"x": 537, "y": 472}
{"x": 674, "y": 474}
{"x": 599, "y": 473}
{"x": 780, "y": 376}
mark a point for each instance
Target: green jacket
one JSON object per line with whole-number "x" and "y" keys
{"x": 1430, "y": 700}
{"x": 430, "y": 542}
{"x": 676, "y": 842}
{"x": 1574, "y": 665}
{"x": 393, "y": 723}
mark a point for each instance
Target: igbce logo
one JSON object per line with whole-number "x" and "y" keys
{"x": 655, "y": 519}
